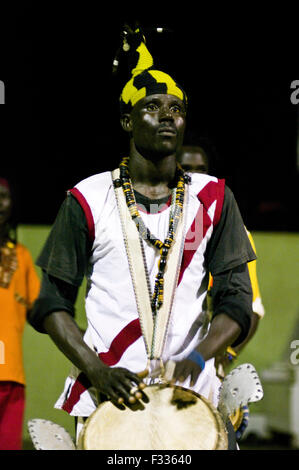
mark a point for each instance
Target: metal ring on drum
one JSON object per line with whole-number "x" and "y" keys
{"x": 174, "y": 419}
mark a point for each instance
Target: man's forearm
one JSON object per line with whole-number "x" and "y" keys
{"x": 254, "y": 324}
{"x": 115, "y": 383}
{"x": 68, "y": 337}
{"x": 222, "y": 333}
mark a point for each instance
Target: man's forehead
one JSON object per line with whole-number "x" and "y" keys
{"x": 159, "y": 98}
{"x": 192, "y": 153}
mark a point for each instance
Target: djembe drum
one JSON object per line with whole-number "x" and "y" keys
{"x": 174, "y": 419}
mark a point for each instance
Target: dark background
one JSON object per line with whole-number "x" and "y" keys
{"x": 60, "y": 123}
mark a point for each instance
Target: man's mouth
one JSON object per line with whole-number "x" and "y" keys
{"x": 167, "y": 131}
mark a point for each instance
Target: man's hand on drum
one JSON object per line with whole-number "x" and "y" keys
{"x": 121, "y": 386}
{"x": 186, "y": 369}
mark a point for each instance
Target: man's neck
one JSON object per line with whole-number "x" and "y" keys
{"x": 152, "y": 178}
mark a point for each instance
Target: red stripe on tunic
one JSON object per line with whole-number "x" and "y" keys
{"x": 121, "y": 342}
{"x": 81, "y": 385}
{"x": 87, "y": 211}
{"x": 127, "y": 336}
{"x": 194, "y": 239}
{"x": 202, "y": 221}
{"x": 220, "y": 199}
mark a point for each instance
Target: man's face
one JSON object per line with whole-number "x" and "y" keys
{"x": 158, "y": 125}
{"x": 193, "y": 160}
{"x": 5, "y": 204}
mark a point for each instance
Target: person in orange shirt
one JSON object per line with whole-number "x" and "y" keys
{"x": 19, "y": 287}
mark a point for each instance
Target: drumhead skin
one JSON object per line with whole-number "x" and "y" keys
{"x": 162, "y": 425}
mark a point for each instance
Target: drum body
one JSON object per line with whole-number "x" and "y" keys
{"x": 163, "y": 424}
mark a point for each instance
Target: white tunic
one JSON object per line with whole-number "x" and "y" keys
{"x": 113, "y": 324}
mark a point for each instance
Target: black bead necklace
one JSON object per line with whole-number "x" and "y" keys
{"x": 144, "y": 232}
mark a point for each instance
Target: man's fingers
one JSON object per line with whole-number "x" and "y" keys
{"x": 132, "y": 400}
{"x": 143, "y": 374}
{"x": 129, "y": 393}
{"x": 126, "y": 388}
{"x": 136, "y": 392}
{"x": 179, "y": 373}
{"x": 137, "y": 379}
{"x": 194, "y": 377}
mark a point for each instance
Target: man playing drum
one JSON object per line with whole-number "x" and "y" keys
{"x": 146, "y": 237}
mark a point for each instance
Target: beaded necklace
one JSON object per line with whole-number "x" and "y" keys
{"x": 144, "y": 232}
{"x": 8, "y": 263}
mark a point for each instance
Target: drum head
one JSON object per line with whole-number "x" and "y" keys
{"x": 162, "y": 425}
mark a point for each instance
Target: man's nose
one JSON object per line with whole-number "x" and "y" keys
{"x": 165, "y": 114}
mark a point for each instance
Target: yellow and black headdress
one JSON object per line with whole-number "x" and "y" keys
{"x": 145, "y": 80}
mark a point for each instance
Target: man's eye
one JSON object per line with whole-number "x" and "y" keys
{"x": 151, "y": 107}
{"x": 176, "y": 109}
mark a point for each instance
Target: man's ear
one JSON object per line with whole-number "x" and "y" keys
{"x": 126, "y": 122}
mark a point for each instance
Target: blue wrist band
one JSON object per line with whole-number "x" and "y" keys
{"x": 197, "y": 358}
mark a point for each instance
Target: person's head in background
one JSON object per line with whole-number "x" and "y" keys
{"x": 198, "y": 155}
{"x": 8, "y": 224}
{"x": 193, "y": 159}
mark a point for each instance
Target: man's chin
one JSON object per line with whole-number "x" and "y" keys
{"x": 158, "y": 154}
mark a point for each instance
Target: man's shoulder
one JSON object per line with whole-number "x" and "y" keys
{"x": 200, "y": 180}
{"x": 96, "y": 181}
{"x": 95, "y": 186}
{"x": 202, "y": 184}
{"x": 92, "y": 193}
